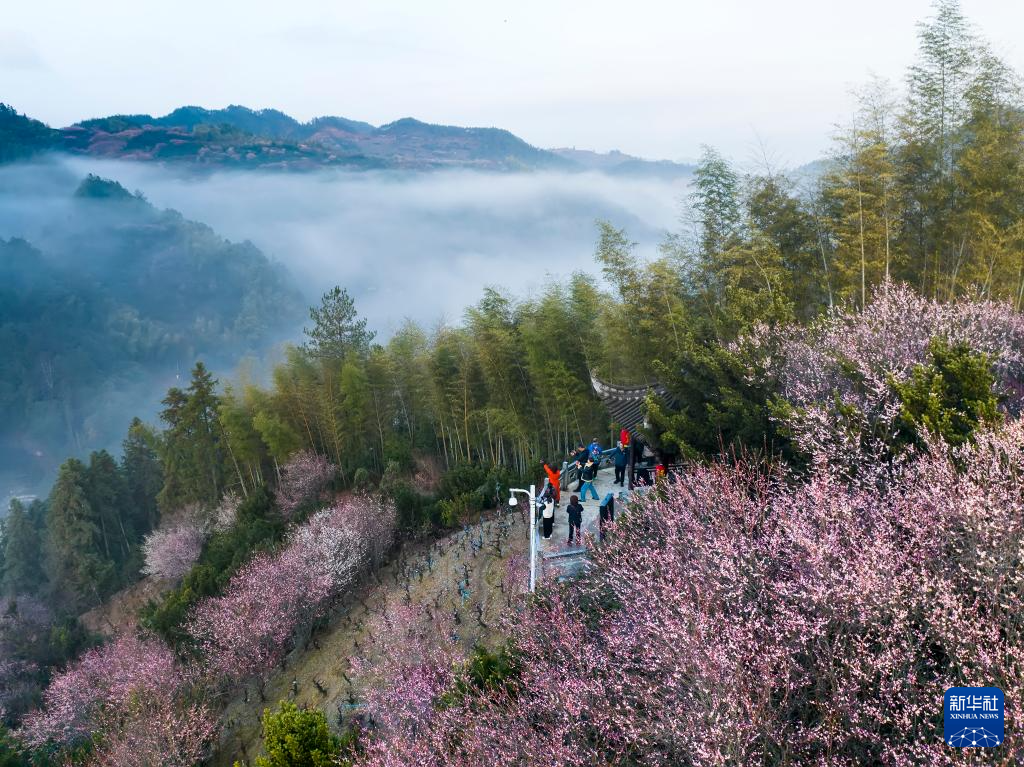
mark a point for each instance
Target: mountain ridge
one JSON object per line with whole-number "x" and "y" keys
{"x": 237, "y": 136}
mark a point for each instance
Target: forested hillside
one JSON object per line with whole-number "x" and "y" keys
{"x": 240, "y": 138}
{"x": 838, "y": 544}
{"x": 117, "y": 298}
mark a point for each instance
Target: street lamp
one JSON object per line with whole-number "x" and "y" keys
{"x": 531, "y": 494}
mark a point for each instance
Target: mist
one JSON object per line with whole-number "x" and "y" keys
{"x": 407, "y": 245}
{"x": 413, "y": 244}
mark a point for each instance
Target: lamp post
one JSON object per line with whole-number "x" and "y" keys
{"x": 531, "y": 495}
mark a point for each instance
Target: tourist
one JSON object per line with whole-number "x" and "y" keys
{"x": 548, "y": 518}
{"x": 575, "y": 511}
{"x": 594, "y": 450}
{"x": 620, "y": 458}
{"x": 579, "y": 455}
{"x": 587, "y": 476}
{"x": 607, "y": 513}
{"x": 578, "y": 459}
{"x": 555, "y": 478}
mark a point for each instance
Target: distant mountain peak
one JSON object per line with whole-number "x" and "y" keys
{"x": 238, "y": 136}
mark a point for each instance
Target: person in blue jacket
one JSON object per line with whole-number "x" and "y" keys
{"x": 620, "y": 457}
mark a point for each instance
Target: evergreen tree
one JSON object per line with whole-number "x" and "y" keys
{"x": 294, "y": 737}
{"x": 337, "y": 329}
{"x": 81, "y": 574}
{"x": 143, "y": 475}
{"x": 107, "y": 495}
{"x": 22, "y": 552}
{"x": 192, "y": 449}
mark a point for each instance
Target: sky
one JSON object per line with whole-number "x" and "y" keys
{"x": 655, "y": 79}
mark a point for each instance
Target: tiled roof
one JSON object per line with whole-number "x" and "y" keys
{"x": 625, "y": 404}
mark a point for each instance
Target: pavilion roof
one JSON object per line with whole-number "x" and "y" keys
{"x": 626, "y": 404}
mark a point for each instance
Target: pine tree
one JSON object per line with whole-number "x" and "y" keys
{"x": 80, "y": 573}
{"x": 337, "y": 330}
{"x": 192, "y": 448}
{"x": 108, "y": 496}
{"x": 22, "y": 549}
{"x": 143, "y": 475}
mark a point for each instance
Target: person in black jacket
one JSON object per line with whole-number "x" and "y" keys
{"x": 587, "y": 476}
{"x": 578, "y": 459}
{"x": 575, "y": 510}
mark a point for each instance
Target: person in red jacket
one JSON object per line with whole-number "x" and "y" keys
{"x": 624, "y": 437}
{"x": 555, "y": 478}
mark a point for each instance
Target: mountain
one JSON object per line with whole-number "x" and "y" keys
{"x": 112, "y": 299}
{"x": 22, "y": 137}
{"x": 239, "y": 137}
{"x": 618, "y": 163}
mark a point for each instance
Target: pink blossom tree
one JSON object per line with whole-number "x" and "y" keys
{"x": 226, "y": 513}
{"x": 302, "y": 478}
{"x": 739, "y": 617}
{"x": 25, "y": 626}
{"x": 412, "y": 665}
{"x": 836, "y": 376}
{"x": 251, "y": 626}
{"x": 124, "y": 695}
{"x": 170, "y": 553}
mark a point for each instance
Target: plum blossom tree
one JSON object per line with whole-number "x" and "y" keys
{"x": 226, "y": 513}
{"x": 171, "y": 552}
{"x": 250, "y": 627}
{"x": 302, "y": 478}
{"x": 413, "y": 664}
{"x": 25, "y": 627}
{"x": 740, "y": 617}
{"x": 836, "y": 380}
{"x": 132, "y": 698}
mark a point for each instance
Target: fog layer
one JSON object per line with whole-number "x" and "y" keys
{"x": 417, "y": 245}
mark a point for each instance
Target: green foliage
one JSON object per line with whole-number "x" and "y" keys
{"x": 337, "y": 329}
{"x": 96, "y": 188}
{"x": 294, "y": 737}
{"x": 715, "y": 200}
{"x": 464, "y": 478}
{"x": 143, "y": 473}
{"x": 948, "y": 398}
{"x": 11, "y": 752}
{"x": 192, "y": 449}
{"x": 23, "y": 536}
{"x": 412, "y": 507}
{"x": 486, "y": 671}
{"x": 257, "y": 527}
{"x": 22, "y": 137}
{"x": 81, "y": 573}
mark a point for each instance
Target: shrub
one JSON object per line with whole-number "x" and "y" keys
{"x": 948, "y": 398}
{"x": 294, "y": 737}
